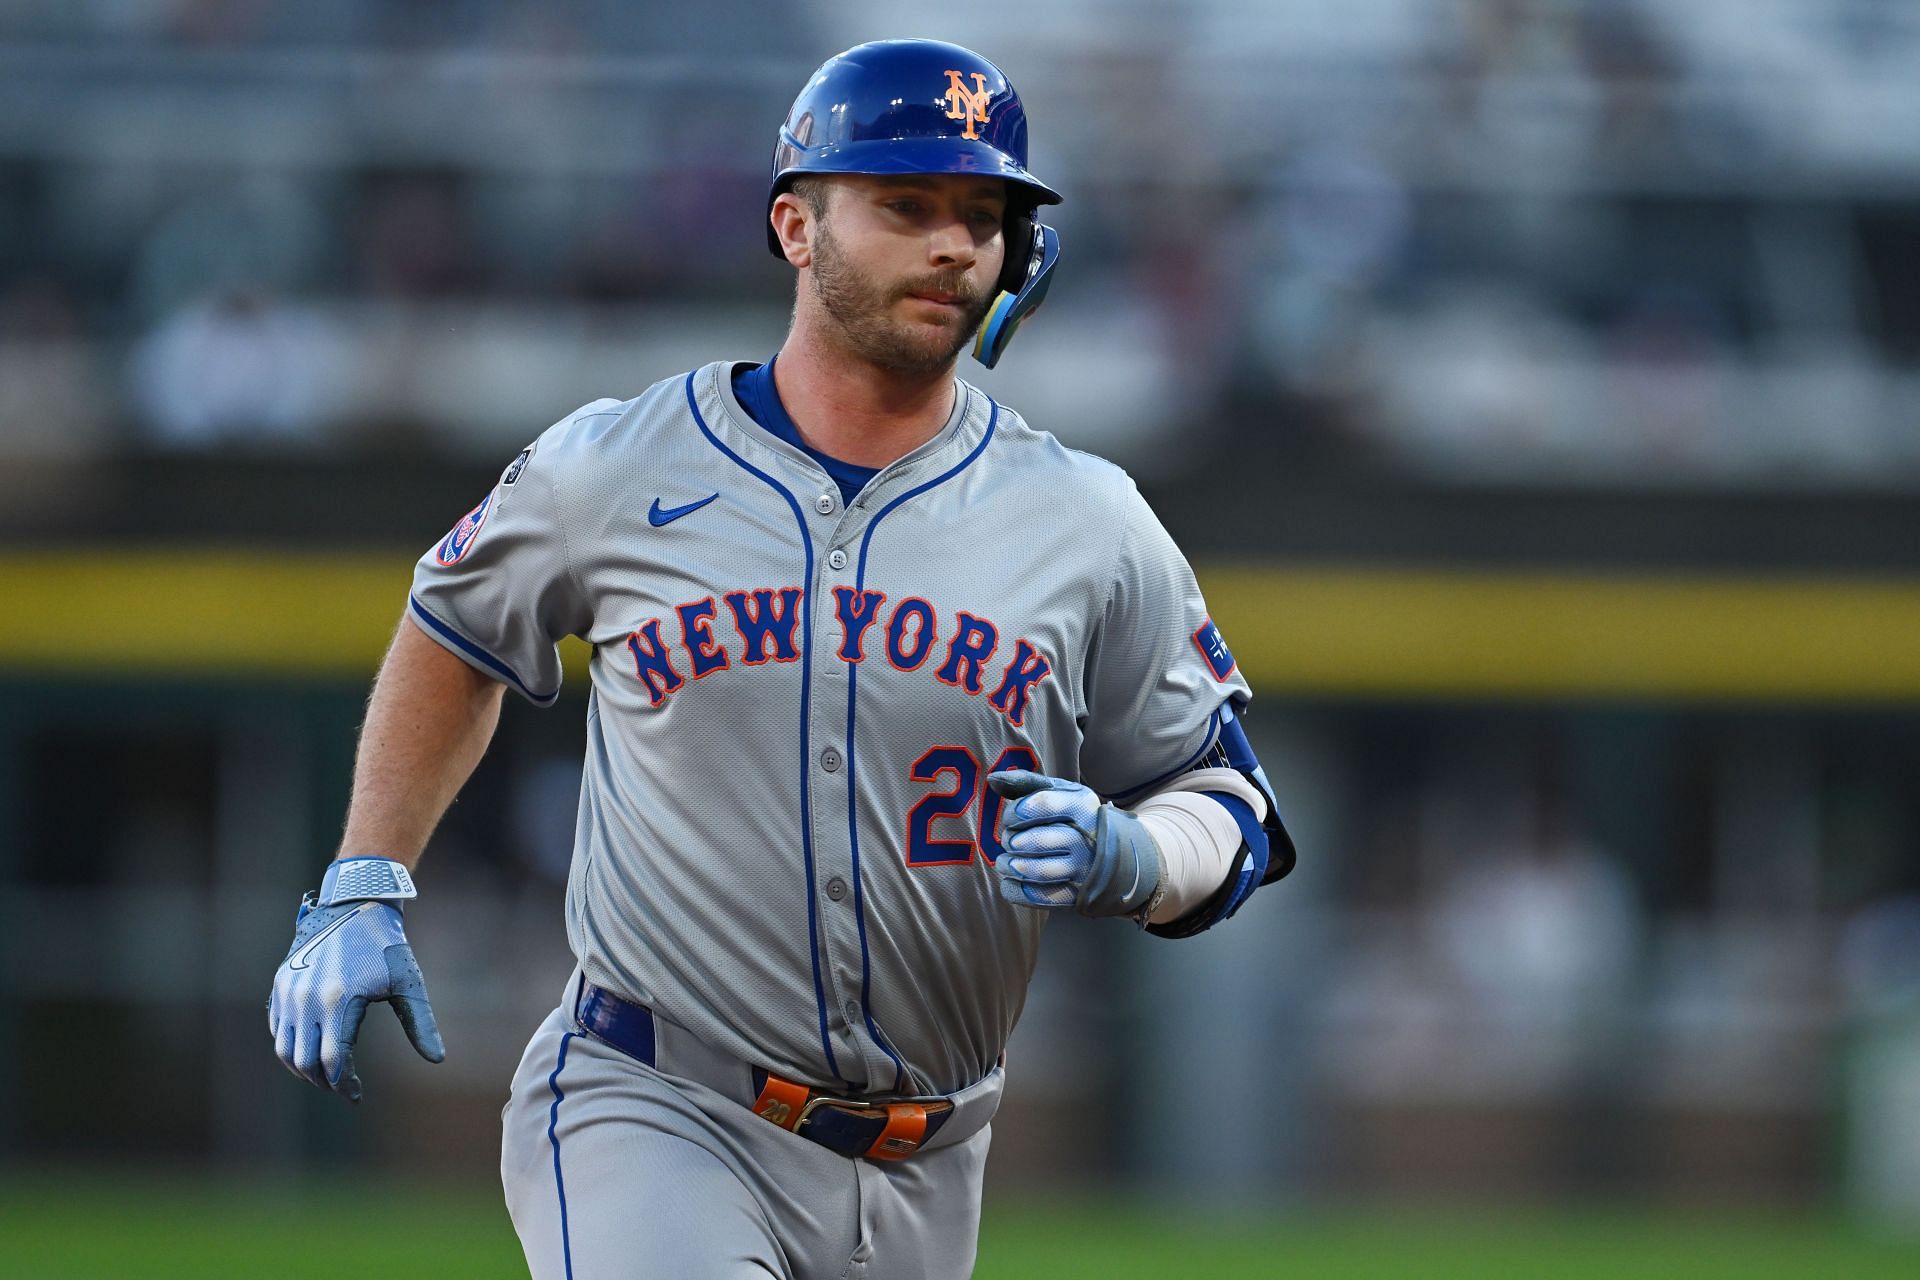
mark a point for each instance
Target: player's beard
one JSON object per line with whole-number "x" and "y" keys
{"x": 861, "y": 310}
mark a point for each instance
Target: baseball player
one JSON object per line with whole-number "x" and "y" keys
{"x": 882, "y": 679}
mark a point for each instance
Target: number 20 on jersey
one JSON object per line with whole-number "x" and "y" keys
{"x": 959, "y": 769}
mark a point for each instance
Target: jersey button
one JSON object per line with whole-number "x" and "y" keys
{"x": 824, "y": 504}
{"x": 830, "y": 760}
{"x": 836, "y": 888}
{"x": 838, "y": 560}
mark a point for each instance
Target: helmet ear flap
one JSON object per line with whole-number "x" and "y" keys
{"x": 1023, "y": 287}
{"x": 1018, "y": 239}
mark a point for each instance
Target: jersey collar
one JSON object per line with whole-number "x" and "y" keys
{"x": 965, "y": 425}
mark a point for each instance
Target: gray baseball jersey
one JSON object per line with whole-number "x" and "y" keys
{"x": 785, "y": 838}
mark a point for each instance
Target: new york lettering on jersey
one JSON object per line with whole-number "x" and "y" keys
{"x": 767, "y": 618}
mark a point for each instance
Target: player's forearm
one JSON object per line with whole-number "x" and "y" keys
{"x": 428, "y": 723}
{"x": 1198, "y": 842}
{"x": 1198, "y": 836}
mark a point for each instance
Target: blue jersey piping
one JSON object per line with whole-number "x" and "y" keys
{"x": 1206, "y": 745}
{"x": 553, "y": 1137}
{"x": 479, "y": 655}
{"x": 806, "y": 687}
{"x": 853, "y": 684}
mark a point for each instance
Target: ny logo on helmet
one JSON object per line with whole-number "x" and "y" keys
{"x": 967, "y": 104}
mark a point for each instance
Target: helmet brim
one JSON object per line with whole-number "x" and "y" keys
{"x": 915, "y": 155}
{"x": 880, "y": 158}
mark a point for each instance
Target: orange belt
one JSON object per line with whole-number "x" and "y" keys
{"x": 872, "y": 1130}
{"x": 864, "y": 1130}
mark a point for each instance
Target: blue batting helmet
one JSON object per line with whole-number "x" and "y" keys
{"x": 926, "y": 106}
{"x": 907, "y": 106}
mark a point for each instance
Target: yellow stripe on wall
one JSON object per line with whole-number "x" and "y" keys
{"x": 202, "y": 613}
{"x": 1370, "y": 632}
{"x": 1402, "y": 632}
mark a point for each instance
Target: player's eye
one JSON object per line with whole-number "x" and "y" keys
{"x": 904, "y": 206}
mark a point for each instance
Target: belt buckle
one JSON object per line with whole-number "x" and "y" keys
{"x": 864, "y": 1110}
{"x": 904, "y": 1124}
{"x": 888, "y": 1146}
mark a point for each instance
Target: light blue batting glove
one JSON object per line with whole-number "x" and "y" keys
{"x": 1065, "y": 849}
{"x": 348, "y": 949}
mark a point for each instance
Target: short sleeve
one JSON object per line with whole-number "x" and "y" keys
{"x": 498, "y": 590}
{"x": 1158, "y": 669}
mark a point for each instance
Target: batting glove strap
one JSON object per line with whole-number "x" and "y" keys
{"x": 365, "y": 880}
{"x": 1127, "y": 877}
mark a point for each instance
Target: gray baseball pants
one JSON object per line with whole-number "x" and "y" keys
{"x": 617, "y": 1171}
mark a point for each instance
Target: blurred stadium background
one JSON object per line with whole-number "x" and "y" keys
{"x": 1535, "y": 383}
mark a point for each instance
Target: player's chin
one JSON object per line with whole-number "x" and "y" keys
{"x": 931, "y": 341}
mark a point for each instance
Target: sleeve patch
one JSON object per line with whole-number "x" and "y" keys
{"x": 460, "y": 541}
{"x": 515, "y": 467}
{"x": 1214, "y": 651}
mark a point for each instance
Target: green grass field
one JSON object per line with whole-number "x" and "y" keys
{"x": 64, "y": 1229}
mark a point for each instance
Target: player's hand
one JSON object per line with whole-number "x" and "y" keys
{"x": 344, "y": 956}
{"x": 1065, "y": 849}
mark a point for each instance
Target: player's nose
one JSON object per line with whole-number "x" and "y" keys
{"x": 951, "y": 245}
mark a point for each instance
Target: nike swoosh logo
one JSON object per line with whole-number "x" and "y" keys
{"x": 305, "y": 953}
{"x": 658, "y": 516}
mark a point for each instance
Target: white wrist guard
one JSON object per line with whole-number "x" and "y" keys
{"x": 365, "y": 880}
{"x": 1198, "y": 839}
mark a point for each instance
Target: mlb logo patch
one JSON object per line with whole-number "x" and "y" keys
{"x": 460, "y": 541}
{"x": 1214, "y": 651}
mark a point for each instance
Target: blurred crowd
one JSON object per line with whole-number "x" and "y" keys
{"x": 1599, "y": 241}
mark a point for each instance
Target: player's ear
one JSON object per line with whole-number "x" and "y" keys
{"x": 793, "y": 227}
